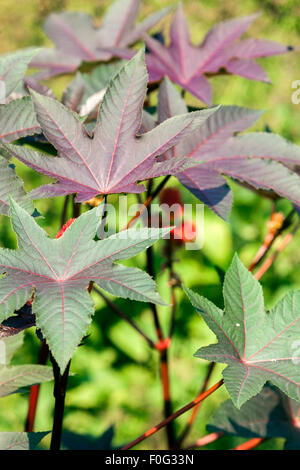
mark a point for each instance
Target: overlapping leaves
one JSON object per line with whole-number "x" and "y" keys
{"x": 13, "y": 378}
{"x": 10, "y": 183}
{"x": 258, "y": 346}
{"x": 17, "y": 119}
{"x": 115, "y": 158}
{"x": 17, "y": 116}
{"x": 59, "y": 272}
{"x": 190, "y": 66}
{"x": 261, "y": 160}
{"x": 77, "y": 39}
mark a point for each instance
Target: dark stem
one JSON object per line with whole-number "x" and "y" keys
{"x": 60, "y": 387}
{"x": 149, "y": 199}
{"x": 163, "y": 359}
{"x": 123, "y": 315}
{"x": 76, "y": 207}
{"x": 103, "y": 219}
{"x": 161, "y": 185}
{"x": 35, "y": 390}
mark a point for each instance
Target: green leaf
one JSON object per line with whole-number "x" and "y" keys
{"x": 13, "y": 67}
{"x": 11, "y": 184}
{"x": 257, "y": 345}
{"x": 14, "y": 378}
{"x": 18, "y": 119}
{"x": 59, "y": 272}
{"x": 20, "y": 440}
{"x": 269, "y": 414}
{"x": 74, "y": 441}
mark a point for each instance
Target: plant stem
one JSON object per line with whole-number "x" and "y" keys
{"x": 203, "y": 441}
{"x": 275, "y": 229}
{"x": 269, "y": 261}
{"x": 148, "y": 200}
{"x": 193, "y": 415}
{"x": 35, "y": 390}
{"x": 163, "y": 358}
{"x": 64, "y": 211}
{"x": 76, "y": 207}
{"x": 250, "y": 444}
{"x": 123, "y": 315}
{"x": 178, "y": 413}
{"x": 60, "y": 386}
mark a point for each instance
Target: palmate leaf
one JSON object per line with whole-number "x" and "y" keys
{"x": 116, "y": 157}
{"x": 13, "y": 378}
{"x": 190, "y": 66}
{"x": 20, "y": 440}
{"x": 77, "y": 39}
{"x": 269, "y": 414}
{"x": 256, "y": 345}
{"x": 59, "y": 272}
{"x": 255, "y": 159}
{"x": 11, "y": 184}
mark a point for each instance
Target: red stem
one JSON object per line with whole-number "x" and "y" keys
{"x": 168, "y": 420}
{"x": 205, "y": 440}
{"x": 194, "y": 412}
{"x": 250, "y": 444}
{"x": 35, "y": 390}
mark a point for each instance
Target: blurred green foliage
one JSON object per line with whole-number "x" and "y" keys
{"x": 116, "y": 379}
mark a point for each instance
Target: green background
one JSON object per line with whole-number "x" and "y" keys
{"x": 116, "y": 380}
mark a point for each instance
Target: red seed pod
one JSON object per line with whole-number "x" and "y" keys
{"x": 172, "y": 197}
{"x": 184, "y": 233}
{"x": 64, "y": 228}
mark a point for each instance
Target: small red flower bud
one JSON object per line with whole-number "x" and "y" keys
{"x": 184, "y": 233}
{"x": 64, "y": 228}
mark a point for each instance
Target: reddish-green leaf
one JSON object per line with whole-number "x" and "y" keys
{"x": 257, "y": 345}
{"x": 59, "y": 271}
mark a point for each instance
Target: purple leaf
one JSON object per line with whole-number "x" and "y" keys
{"x": 77, "y": 39}
{"x": 187, "y": 65}
{"x": 54, "y": 62}
{"x": 263, "y": 145}
{"x": 262, "y": 174}
{"x": 210, "y": 187}
{"x": 247, "y": 69}
{"x": 115, "y": 158}
{"x": 204, "y": 182}
{"x": 247, "y": 158}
